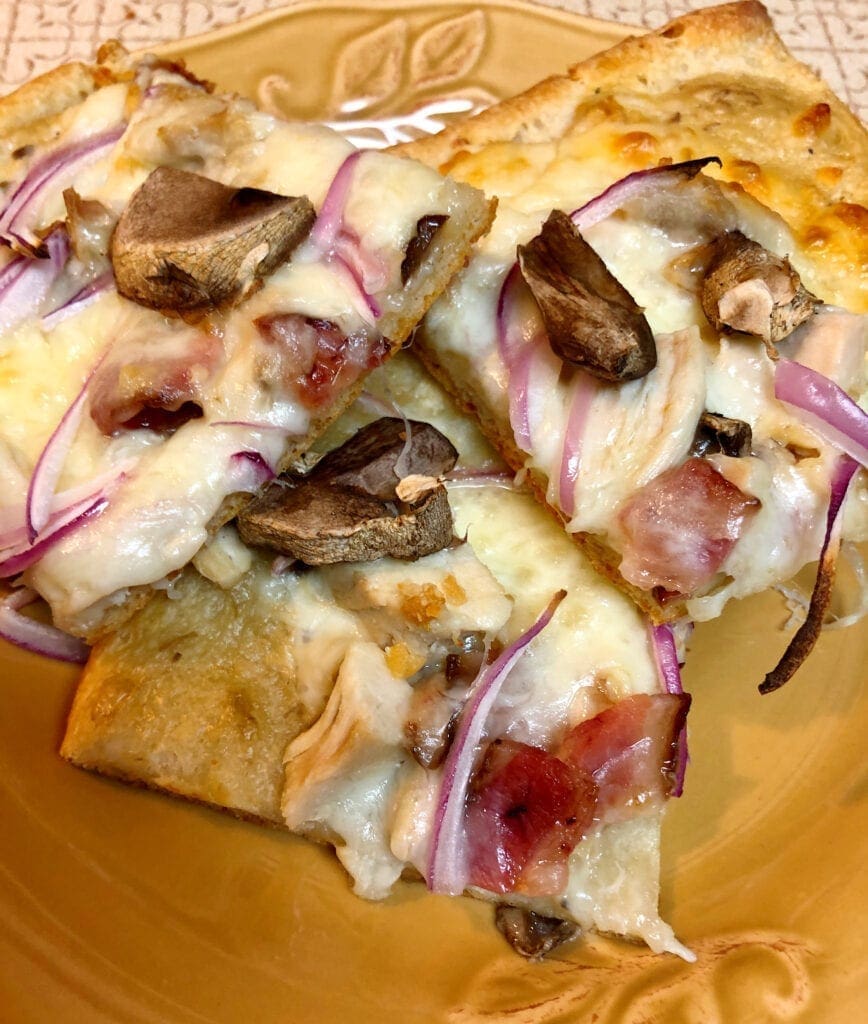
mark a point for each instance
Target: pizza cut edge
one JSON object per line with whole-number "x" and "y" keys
{"x": 716, "y": 82}
{"x": 36, "y": 123}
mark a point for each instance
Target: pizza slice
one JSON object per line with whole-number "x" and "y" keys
{"x": 665, "y": 330}
{"x": 190, "y": 291}
{"x": 491, "y": 716}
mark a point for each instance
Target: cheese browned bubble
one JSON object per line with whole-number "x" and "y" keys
{"x": 715, "y": 83}
{"x": 164, "y": 491}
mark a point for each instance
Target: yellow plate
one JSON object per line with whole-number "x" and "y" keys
{"x": 119, "y": 905}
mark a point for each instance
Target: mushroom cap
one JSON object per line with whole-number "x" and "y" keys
{"x": 590, "y": 318}
{"x": 186, "y": 244}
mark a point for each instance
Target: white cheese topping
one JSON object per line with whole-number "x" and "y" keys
{"x": 160, "y": 508}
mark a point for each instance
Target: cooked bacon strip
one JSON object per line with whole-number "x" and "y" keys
{"x": 154, "y": 384}
{"x": 678, "y": 529}
{"x": 313, "y": 358}
{"x": 630, "y": 751}
{"x": 526, "y": 813}
{"x": 528, "y": 808}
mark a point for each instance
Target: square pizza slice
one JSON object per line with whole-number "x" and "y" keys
{"x": 190, "y": 291}
{"x": 490, "y": 717}
{"x": 665, "y": 329}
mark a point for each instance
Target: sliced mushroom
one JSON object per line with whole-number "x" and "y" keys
{"x": 186, "y": 244}
{"x": 368, "y": 460}
{"x": 746, "y": 288}
{"x": 591, "y": 319}
{"x": 426, "y": 228}
{"x": 716, "y": 434}
{"x": 531, "y": 934}
{"x": 322, "y": 523}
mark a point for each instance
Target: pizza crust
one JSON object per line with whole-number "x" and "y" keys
{"x": 45, "y": 110}
{"x": 715, "y": 82}
{"x": 781, "y": 132}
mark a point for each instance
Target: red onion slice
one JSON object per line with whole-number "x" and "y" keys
{"x": 249, "y": 471}
{"x": 17, "y": 560}
{"x": 365, "y": 304}
{"x": 806, "y": 635}
{"x": 583, "y": 391}
{"x": 80, "y": 299}
{"x": 54, "y": 170}
{"x": 40, "y": 491}
{"x": 669, "y": 669}
{"x": 25, "y": 282}
{"x": 635, "y": 186}
{"x": 38, "y": 637}
{"x": 249, "y": 424}
{"x": 830, "y": 410}
{"x": 329, "y": 221}
{"x": 447, "y": 868}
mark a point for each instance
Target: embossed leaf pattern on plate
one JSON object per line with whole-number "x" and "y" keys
{"x": 748, "y": 977}
{"x": 400, "y": 99}
{"x": 448, "y": 50}
{"x": 368, "y": 69}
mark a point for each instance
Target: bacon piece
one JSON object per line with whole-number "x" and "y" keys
{"x": 154, "y": 384}
{"x": 526, "y": 812}
{"x": 677, "y": 530}
{"x": 630, "y": 752}
{"x": 313, "y": 358}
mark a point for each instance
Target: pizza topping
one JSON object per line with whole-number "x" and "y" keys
{"x": 90, "y": 226}
{"x": 716, "y": 434}
{"x": 638, "y": 185}
{"x": 321, "y": 523}
{"x": 530, "y": 934}
{"x": 746, "y": 288}
{"x": 669, "y": 669}
{"x": 341, "y": 246}
{"x": 677, "y": 530}
{"x": 447, "y": 861}
{"x": 826, "y": 407}
{"x": 805, "y": 637}
{"x": 26, "y": 281}
{"x": 185, "y": 244}
{"x": 351, "y": 507}
{"x": 430, "y": 727}
{"x": 56, "y": 169}
{"x": 375, "y": 458}
{"x": 590, "y": 318}
{"x": 314, "y": 358}
{"x": 426, "y": 228}
{"x": 61, "y": 524}
{"x": 154, "y": 384}
{"x": 631, "y": 751}
{"x": 33, "y": 635}
{"x": 526, "y": 811}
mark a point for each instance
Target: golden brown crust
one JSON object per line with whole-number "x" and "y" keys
{"x": 195, "y": 694}
{"x": 716, "y": 81}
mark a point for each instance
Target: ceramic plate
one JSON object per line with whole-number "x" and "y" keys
{"x": 119, "y": 905}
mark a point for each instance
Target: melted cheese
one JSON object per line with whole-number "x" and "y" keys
{"x": 637, "y": 430}
{"x": 160, "y": 509}
{"x": 351, "y": 778}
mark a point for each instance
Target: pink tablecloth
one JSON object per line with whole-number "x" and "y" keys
{"x": 830, "y": 35}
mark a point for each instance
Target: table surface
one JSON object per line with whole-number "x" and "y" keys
{"x": 829, "y": 35}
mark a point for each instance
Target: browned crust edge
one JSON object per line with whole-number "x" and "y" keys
{"x": 109, "y": 772}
